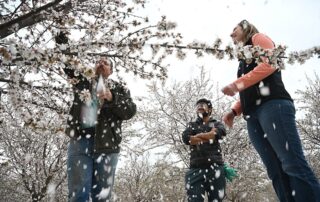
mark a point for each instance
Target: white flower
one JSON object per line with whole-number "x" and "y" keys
{"x": 89, "y": 73}
{"x": 247, "y": 52}
{"x": 85, "y": 96}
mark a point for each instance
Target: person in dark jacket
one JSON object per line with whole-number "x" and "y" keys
{"x": 94, "y": 129}
{"x": 270, "y": 114}
{"x": 99, "y": 107}
{"x": 206, "y": 173}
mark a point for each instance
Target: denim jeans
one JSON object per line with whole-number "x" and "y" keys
{"x": 89, "y": 174}
{"x": 200, "y": 181}
{"x": 273, "y": 132}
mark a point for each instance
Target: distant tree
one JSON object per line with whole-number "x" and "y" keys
{"x": 35, "y": 166}
{"x": 140, "y": 180}
{"x": 309, "y": 124}
{"x": 9, "y": 190}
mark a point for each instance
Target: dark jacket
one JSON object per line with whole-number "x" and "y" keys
{"x": 107, "y": 135}
{"x": 251, "y": 98}
{"x": 206, "y": 154}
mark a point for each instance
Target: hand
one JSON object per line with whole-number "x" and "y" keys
{"x": 214, "y": 130}
{"x": 228, "y": 119}
{"x": 105, "y": 95}
{"x": 195, "y": 140}
{"x": 207, "y": 136}
{"x": 230, "y": 89}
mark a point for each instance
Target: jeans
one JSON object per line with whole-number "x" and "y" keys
{"x": 200, "y": 181}
{"x": 273, "y": 132}
{"x": 89, "y": 174}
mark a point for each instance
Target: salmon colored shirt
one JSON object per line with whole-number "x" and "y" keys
{"x": 260, "y": 72}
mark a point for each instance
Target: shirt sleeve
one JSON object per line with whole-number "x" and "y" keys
{"x": 262, "y": 70}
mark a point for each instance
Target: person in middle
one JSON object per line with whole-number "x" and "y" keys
{"x": 206, "y": 174}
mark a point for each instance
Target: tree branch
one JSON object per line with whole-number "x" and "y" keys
{"x": 33, "y": 17}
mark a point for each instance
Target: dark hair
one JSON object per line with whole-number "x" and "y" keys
{"x": 204, "y": 100}
{"x": 62, "y": 38}
{"x": 248, "y": 29}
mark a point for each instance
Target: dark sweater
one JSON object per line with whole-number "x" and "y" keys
{"x": 209, "y": 153}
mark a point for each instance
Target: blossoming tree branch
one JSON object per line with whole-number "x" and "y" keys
{"x": 31, "y": 60}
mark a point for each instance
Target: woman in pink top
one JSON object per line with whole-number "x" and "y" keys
{"x": 270, "y": 114}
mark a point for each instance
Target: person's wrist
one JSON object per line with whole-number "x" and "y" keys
{"x": 234, "y": 113}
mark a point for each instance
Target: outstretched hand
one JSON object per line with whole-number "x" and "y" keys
{"x": 230, "y": 89}
{"x": 228, "y": 119}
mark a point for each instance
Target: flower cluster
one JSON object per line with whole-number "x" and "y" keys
{"x": 85, "y": 96}
{"x": 274, "y": 57}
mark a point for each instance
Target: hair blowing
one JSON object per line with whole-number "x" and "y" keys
{"x": 248, "y": 29}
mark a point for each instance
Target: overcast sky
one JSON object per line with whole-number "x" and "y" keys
{"x": 295, "y": 23}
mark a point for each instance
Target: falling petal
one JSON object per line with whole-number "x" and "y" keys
{"x": 204, "y": 176}
{"x": 261, "y": 84}
{"x": 28, "y": 157}
{"x": 265, "y": 91}
{"x": 244, "y": 195}
{"x": 99, "y": 159}
{"x": 221, "y": 193}
{"x": 72, "y": 133}
{"x": 51, "y": 189}
{"x": 217, "y": 174}
{"x": 103, "y": 194}
{"x": 258, "y": 101}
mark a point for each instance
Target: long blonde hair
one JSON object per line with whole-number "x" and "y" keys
{"x": 248, "y": 29}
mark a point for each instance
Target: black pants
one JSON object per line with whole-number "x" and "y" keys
{"x": 205, "y": 180}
